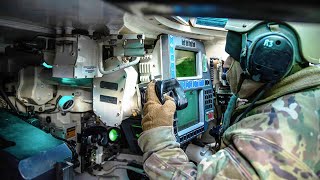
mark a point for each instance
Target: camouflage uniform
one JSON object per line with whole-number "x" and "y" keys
{"x": 279, "y": 138}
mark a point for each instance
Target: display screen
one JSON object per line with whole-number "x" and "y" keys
{"x": 190, "y": 115}
{"x": 185, "y": 63}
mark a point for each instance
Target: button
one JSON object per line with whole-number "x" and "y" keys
{"x": 207, "y": 82}
{"x": 201, "y": 83}
{"x": 210, "y": 115}
{"x": 195, "y": 83}
{"x": 172, "y": 60}
{"x": 171, "y": 50}
{"x": 189, "y": 84}
{"x": 182, "y": 84}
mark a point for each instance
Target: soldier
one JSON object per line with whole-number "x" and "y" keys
{"x": 276, "y": 134}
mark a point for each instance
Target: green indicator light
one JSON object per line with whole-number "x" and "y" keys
{"x": 113, "y": 135}
{"x": 48, "y": 66}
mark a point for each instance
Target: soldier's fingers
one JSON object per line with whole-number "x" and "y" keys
{"x": 150, "y": 105}
{"x": 151, "y": 93}
{"x": 167, "y": 97}
{"x": 169, "y": 105}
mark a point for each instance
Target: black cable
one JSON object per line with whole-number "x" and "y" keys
{"x": 55, "y": 106}
{"x": 265, "y": 88}
{"x": 70, "y": 146}
{"x": 218, "y": 115}
{"x": 6, "y": 98}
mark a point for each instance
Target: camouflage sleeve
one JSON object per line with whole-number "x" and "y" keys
{"x": 163, "y": 159}
{"x": 279, "y": 140}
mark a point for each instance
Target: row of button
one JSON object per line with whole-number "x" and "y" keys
{"x": 208, "y": 101}
{"x": 191, "y": 135}
{"x": 208, "y": 96}
{"x": 209, "y": 106}
{"x": 208, "y": 91}
{"x": 172, "y": 58}
{"x": 188, "y": 84}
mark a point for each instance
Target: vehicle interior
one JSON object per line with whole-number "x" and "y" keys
{"x": 73, "y": 78}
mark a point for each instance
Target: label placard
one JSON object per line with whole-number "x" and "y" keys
{"x": 71, "y": 132}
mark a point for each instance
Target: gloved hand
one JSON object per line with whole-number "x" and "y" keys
{"x": 156, "y": 114}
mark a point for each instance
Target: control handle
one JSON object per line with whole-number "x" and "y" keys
{"x": 172, "y": 88}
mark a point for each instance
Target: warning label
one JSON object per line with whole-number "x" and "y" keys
{"x": 89, "y": 70}
{"x": 71, "y": 132}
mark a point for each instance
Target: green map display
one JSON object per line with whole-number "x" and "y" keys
{"x": 190, "y": 115}
{"x": 185, "y": 63}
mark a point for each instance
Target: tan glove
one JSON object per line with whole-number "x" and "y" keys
{"x": 156, "y": 114}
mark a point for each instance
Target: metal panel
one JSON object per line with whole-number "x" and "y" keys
{"x": 25, "y": 19}
{"x": 114, "y": 105}
{"x": 81, "y": 14}
{"x": 32, "y": 89}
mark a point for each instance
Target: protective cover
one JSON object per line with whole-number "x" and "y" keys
{"x": 26, "y": 151}
{"x": 309, "y": 39}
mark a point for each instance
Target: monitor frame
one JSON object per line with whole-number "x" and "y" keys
{"x": 166, "y": 47}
